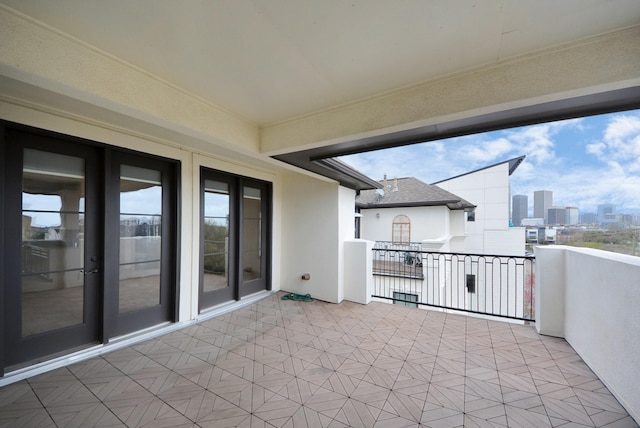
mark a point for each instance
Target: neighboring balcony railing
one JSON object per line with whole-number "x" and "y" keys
{"x": 501, "y": 286}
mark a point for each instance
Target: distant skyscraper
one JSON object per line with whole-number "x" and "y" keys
{"x": 557, "y": 215}
{"x": 603, "y": 210}
{"x": 572, "y": 215}
{"x": 542, "y": 201}
{"x": 589, "y": 218}
{"x": 519, "y": 209}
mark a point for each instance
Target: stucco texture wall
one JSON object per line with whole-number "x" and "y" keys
{"x": 488, "y": 189}
{"x": 426, "y": 223}
{"x": 311, "y": 237}
{"x": 590, "y": 297}
{"x": 603, "y": 321}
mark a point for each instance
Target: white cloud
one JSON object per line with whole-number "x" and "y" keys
{"x": 487, "y": 151}
{"x": 596, "y": 149}
{"x": 621, "y": 128}
{"x": 584, "y": 187}
{"x": 555, "y": 160}
{"x": 620, "y": 142}
{"x": 536, "y": 142}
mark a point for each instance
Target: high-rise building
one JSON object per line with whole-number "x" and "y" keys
{"x": 542, "y": 201}
{"x": 572, "y": 215}
{"x": 519, "y": 209}
{"x": 556, "y": 215}
{"x": 603, "y": 211}
{"x": 589, "y": 218}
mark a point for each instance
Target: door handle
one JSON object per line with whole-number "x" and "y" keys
{"x": 89, "y": 271}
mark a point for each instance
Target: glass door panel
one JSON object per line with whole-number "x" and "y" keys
{"x": 51, "y": 252}
{"x": 89, "y": 244}
{"x": 216, "y": 236}
{"x": 140, "y": 238}
{"x": 234, "y": 237}
{"x": 255, "y": 237}
{"x": 142, "y": 233}
{"x": 218, "y": 262}
{"x": 53, "y": 273}
{"x": 251, "y": 234}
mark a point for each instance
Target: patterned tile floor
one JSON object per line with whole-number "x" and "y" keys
{"x": 294, "y": 364}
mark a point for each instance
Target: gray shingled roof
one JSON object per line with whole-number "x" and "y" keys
{"x": 411, "y": 192}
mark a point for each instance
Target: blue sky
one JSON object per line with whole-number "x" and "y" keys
{"x": 585, "y": 162}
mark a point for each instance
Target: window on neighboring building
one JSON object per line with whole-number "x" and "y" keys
{"x": 405, "y": 299}
{"x": 401, "y": 230}
{"x": 471, "y": 216}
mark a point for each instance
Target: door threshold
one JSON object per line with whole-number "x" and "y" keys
{"x": 125, "y": 341}
{"x": 91, "y": 352}
{"x": 233, "y": 305}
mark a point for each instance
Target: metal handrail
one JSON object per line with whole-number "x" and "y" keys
{"x": 497, "y": 285}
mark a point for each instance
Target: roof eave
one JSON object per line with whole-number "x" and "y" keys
{"x": 513, "y": 165}
{"x": 451, "y": 204}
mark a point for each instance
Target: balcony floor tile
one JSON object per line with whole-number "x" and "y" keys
{"x": 314, "y": 364}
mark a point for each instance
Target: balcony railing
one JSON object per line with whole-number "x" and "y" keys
{"x": 501, "y": 286}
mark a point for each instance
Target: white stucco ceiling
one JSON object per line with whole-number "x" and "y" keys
{"x": 271, "y": 60}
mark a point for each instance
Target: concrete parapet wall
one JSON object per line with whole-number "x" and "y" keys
{"x": 591, "y": 298}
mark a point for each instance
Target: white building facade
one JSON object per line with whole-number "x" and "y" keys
{"x": 488, "y": 188}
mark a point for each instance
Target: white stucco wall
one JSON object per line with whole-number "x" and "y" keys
{"x": 458, "y": 222}
{"x": 426, "y": 223}
{"x": 508, "y": 241}
{"x": 358, "y": 270}
{"x": 488, "y": 189}
{"x": 591, "y": 298}
{"x": 346, "y": 231}
{"x": 312, "y": 236}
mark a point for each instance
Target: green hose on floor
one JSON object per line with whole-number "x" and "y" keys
{"x": 298, "y": 297}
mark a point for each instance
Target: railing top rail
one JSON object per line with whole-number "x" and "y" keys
{"x": 387, "y": 244}
{"x": 399, "y": 243}
{"x": 454, "y": 254}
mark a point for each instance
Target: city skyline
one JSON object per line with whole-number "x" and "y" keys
{"x": 565, "y": 215}
{"x": 585, "y": 162}
{"x": 530, "y": 211}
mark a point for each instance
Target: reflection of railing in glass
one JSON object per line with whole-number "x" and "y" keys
{"x": 35, "y": 260}
{"x": 52, "y": 259}
{"x": 215, "y": 253}
{"x": 140, "y": 237}
{"x": 252, "y": 234}
{"x": 214, "y": 257}
{"x": 215, "y": 239}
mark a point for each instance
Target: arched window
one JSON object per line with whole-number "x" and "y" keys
{"x": 401, "y": 230}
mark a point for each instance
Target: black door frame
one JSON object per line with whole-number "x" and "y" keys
{"x": 105, "y": 157}
{"x": 236, "y": 288}
{"x": 137, "y": 320}
{"x": 229, "y": 293}
{"x": 263, "y": 282}
{"x": 20, "y": 349}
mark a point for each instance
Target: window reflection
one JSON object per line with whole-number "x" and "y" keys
{"x": 52, "y": 242}
{"x": 252, "y": 234}
{"x": 140, "y": 237}
{"x": 216, "y": 236}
